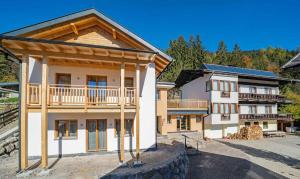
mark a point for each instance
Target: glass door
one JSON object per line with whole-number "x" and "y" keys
{"x": 96, "y": 134}
{"x": 91, "y": 128}
{"x": 102, "y": 134}
{"x": 183, "y": 123}
{"x": 97, "y": 89}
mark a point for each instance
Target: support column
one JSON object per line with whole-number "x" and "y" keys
{"x": 137, "y": 113}
{"x": 122, "y": 113}
{"x": 24, "y": 114}
{"x": 281, "y": 125}
{"x": 44, "y": 126}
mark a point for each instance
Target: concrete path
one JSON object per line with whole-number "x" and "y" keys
{"x": 9, "y": 132}
{"x": 267, "y": 158}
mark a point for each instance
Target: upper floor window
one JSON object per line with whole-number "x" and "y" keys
{"x": 233, "y": 109}
{"x": 252, "y": 109}
{"x": 268, "y": 109}
{"x": 233, "y": 86}
{"x": 252, "y": 90}
{"x": 63, "y": 79}
{"x": 268, "y": 91}
{"x": 215, "y": 85}
{"x": 221, "y": 85}
{"x": 208, "y": 86}
{"x": 215, "y": 108}
{"x": 226, "y": 86}
{"x": 129, "y": 82}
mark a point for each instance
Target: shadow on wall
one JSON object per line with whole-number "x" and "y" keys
{"x": 295, "y": 163}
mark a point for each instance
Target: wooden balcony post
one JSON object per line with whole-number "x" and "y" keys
{"x": 24, "y": 117}
{"x": 44, "y": 126}
{"x": 137, "y": 113}
{"x": 85, "y": 97}
{"x": 122, "y": 113}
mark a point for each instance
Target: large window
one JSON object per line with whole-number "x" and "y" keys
{"x": 215, "y": 85}
{"x": 221, "y": 85}
{"x": 268, "y": 109}
{"x": 129, "y": 82}
{"x": 63, "y": 79}
{"x": 268, "y": 90}
{"x": 222, "y": 110}
{"x": 216, "y": 107}
{"x": 128, "y": 127}
{"x": 198, "y": 118}
{"x": 233, "y": 109}
{"x": 65, "y": 129}
{"x": 226, "y": 87}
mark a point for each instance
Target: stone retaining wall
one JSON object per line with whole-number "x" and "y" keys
{"x": 175, "y": 168}
{"x": 10, "y": 145}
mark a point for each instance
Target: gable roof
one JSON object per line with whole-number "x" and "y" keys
{"x": 294, "y": 62}
{"x": 80, "y": 14}
{"x": 238, "y": 71}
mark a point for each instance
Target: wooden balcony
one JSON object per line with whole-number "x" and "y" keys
{"x": 248, "y": 97}
{"x": 250, "y": 117}
{"x": 188, "y": 104}
{"x": 80, "y": 95}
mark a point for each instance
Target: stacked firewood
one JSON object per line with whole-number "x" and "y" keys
{"x": 248, "y": 133}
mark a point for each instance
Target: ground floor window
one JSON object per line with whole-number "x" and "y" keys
{"x": 198, "y": 118}
{"x": 66, "y": 129}
{"x": 265, "y": 125}
{"x": 256, "y": 123}
{"x": 247, "y": 124}
{"x": 128, "y": 127}
{"x": 169, "y": 119}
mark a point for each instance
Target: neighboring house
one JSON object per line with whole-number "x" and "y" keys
{"x": 238, "y": 97}
{"x": 293, "y": 63}
{"x": 179, "y": 114}
{"x": 88, "y": 84}
{"x": 9, "y": 90}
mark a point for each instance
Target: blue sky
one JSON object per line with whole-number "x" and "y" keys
{"x": 251, "y": 23}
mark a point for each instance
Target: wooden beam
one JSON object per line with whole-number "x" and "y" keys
{"x": 114, "y": 33}
{"x": 137, "y": 113}
{"x": 44, "y": 126}
{"x": 122, "y": 133}
{"x": 74, "y": 28}
{"x": 24, "y": 117}
{"x": 94, "y": 57}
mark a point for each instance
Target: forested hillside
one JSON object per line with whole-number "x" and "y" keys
{"x": 190, "y": 54}
{"x": 8, "y": 70}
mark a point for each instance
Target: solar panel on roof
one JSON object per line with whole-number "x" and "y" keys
{"x": 237, "y": 70}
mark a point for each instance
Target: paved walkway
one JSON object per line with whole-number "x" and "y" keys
{"x": 266, "y": 158}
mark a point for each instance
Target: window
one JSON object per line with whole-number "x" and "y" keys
{"x": 63, "y": 79}
{"x": 215, "y": 85}
{"x": 221, "y": 85}
{"x": 208, "y": 86}
{"x": 226, "y": 86}
{"x": 265, "y": 125}
{"x": 233, "y": 86}
{"x": 65, "y": 129}
{"x": 268, "y": 109}
{"x": 233, "y": 109}
{"x": 256, "y": 123}
{"x": 252, "y": 90}
{"x": 247, "y": 124}
{"x": 158, "y": 94}
{"x": 128, "y": 82}
{"x": 222, "y": 108}
{"x": 268, "y": 91}
{"x": 252, "y": 109}
{"x": 128, "y": 127}
{"x": 226, "y": 108}
{"x": 198, "y": 118}
{"x": 169, "y": 120}
{"x": 216, "y": 108}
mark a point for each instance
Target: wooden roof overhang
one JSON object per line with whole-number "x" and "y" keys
{"x": 86, "y": 53}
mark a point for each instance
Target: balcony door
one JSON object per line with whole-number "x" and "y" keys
{"x": 96, "y": 89}
{"x": 183, "y": 123}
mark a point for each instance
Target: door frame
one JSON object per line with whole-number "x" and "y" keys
{"x": 97, "y": 80}
{"x": 97, "y": 135}
{"x": 187, "y": 120}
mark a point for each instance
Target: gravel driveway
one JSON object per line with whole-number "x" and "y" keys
{"x": 266, "y": 158}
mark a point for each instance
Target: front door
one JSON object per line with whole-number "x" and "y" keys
{"x": 96, "y": 134}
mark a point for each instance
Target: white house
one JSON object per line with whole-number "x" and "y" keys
{"x": 237, "y": 97}
{"x": 88, "y": 85}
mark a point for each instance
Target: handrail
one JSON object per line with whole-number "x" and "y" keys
{"x": 187, "y": 103}
{"x": 185, "y": 137}
{"x": 266, "y": 116}
{"x": 255, "y": 96}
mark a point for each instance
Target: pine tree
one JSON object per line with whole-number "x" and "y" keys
{"x": 221, "y": 54}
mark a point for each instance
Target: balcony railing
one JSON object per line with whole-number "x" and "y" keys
{"x": 288, "y": 117}
{"x": 187, "y": 103}
{"x": 59, "y": 95}
{"x": 261, "y": 97}
{"x": 225, "y": 117}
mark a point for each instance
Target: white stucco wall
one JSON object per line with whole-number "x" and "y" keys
{"x": 73, "y": 146}
{"x": 196, "y": 89}
{"x": 272, "y": 125}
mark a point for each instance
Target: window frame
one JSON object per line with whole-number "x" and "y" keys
{"x": 233, "y": 86}
{"x": 199, "y": 118}
{"x": 57, "y": 75}
{"x": 265, "y": 123}
{"x": 67, "y": 123}
{"x": 126, "y": 135}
